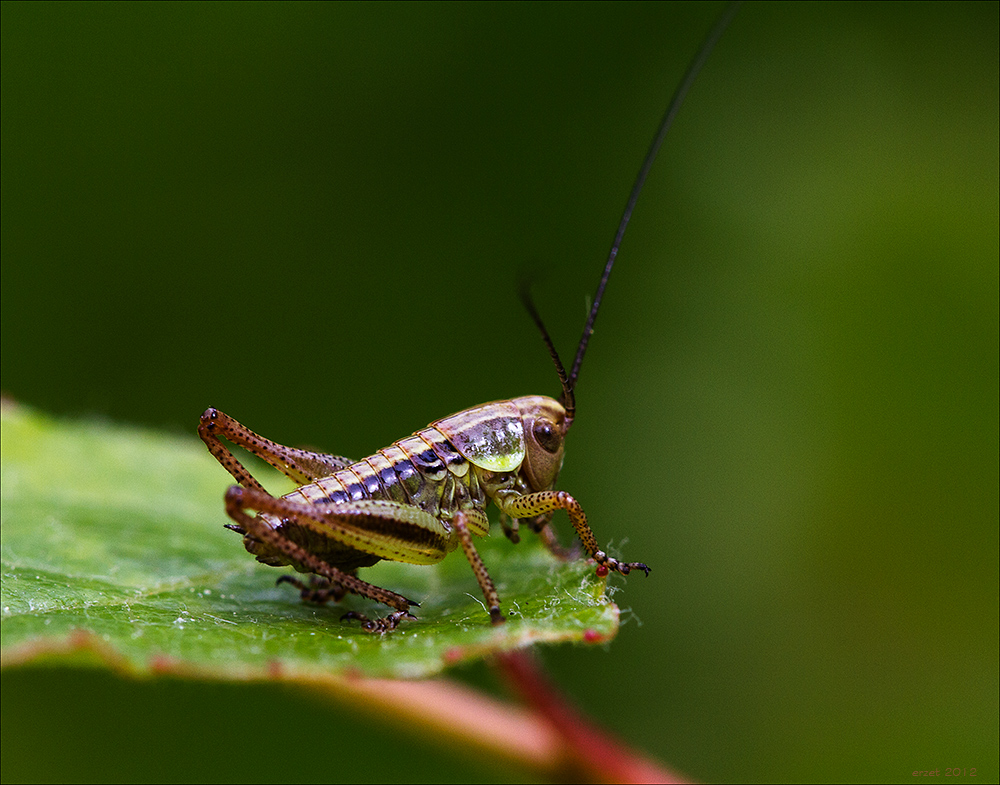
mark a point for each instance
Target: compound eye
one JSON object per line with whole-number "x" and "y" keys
{"x": 547, "y": 435}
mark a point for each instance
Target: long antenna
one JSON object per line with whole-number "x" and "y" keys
{"x": 668, "y": 118}
{"x": 567, "y": 398}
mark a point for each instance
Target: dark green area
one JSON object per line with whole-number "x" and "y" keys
{"x": 195, "y": 731}
{"x": 312, "y": 217}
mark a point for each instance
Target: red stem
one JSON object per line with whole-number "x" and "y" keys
{"x": 591, "y": 753}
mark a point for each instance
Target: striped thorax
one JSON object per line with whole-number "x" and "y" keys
{"x": 459, "y": 462}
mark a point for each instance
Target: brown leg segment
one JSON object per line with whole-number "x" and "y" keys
{"x": 302, "y": 466}
{"x": 460, "y": 522}
{"x": 238, "y": 500}
{"x": 533, "y": 504}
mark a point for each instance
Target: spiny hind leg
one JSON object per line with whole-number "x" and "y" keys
{"x": 543, "y": 502}
{"x": 239, "y": 500}
{"x": 302, "y": 466}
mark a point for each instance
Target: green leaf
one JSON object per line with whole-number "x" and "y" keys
{"x": 112, "y": 543}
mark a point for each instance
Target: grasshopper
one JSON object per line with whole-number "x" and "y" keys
{"x": 425, "y": 495}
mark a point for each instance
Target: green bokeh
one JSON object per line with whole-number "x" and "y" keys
{"x": 312, "y": 216}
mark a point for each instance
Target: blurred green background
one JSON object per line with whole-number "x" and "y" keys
{"x": 313, "y": 216}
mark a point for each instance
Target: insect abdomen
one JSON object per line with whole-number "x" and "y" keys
{"x": 424, "y": 470}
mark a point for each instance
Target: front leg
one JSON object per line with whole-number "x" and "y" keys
{"x": 531, "y": 505}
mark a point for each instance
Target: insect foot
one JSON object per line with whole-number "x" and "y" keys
{"x": 378, "y": 626}
{"x": 607, "y": 564}
{"x": 545, "y": 502}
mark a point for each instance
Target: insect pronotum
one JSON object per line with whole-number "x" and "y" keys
{"x": 423, "y": 496}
